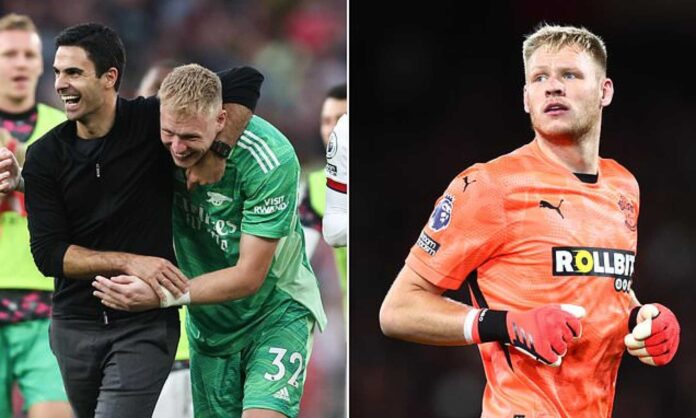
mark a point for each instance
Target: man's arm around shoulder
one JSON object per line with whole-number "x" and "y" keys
{"x": 241, "y": 88}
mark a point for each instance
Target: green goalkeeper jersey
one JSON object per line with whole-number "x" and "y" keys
{"x": 257, "y": 195}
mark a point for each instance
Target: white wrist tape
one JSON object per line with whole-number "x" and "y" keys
{"x": 170, "y": 300}
{"x": 469, "y": 323}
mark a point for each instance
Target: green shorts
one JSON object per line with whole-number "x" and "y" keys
{"x": 26, "y": 358}
{"x": 269, "y": 374}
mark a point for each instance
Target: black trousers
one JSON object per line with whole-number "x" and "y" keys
{"x": 115, "y": 370}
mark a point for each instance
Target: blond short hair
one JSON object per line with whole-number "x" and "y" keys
{"x": 14, "y": 21}
{"x": 191, "y": 89}
{"x": 556, "y": 37}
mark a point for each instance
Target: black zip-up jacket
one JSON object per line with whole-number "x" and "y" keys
{"x": 117, "y": 196}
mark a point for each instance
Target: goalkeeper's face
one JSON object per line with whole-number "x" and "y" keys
{"x": 565, "y": 92}
{"x": 188, "y": 135}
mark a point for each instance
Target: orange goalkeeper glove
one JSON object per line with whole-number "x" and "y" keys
{"x": 654, "y": 336}
{"x": 542, "y": 333}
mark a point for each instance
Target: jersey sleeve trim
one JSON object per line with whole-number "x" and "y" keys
{"x": 337, "y": 186}
{"x": 434, "y": 277}
{"x": 265, "y": 233}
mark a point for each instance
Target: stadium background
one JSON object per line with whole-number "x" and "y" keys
{"x": 438, "y": 87}
{"x": 301, "y": 48}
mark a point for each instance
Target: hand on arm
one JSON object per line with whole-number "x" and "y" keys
{"x": 130, "y": 293}
{"x": 126, "y": 293}
{"x": 83, "y": 263}
{"x": 415, "y": 310}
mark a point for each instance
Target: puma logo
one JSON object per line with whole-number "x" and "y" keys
{"x": 467, "y": 183}
{"x": 547, "y": 205}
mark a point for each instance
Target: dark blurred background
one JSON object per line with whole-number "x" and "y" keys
{"x": 301, "y": 48}
{"x": 437, "y": 87}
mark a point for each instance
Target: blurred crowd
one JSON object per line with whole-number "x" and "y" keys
{"x": 301, "y": 48}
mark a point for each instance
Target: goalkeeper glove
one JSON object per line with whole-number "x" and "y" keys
{"x": 654, "y": 336}
{"x": 542, "y": 333}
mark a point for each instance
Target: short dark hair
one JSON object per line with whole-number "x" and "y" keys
{"x": 338, "y": 92}
{"x": 103, "y": 46}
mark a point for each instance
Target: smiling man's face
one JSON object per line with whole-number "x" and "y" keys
{"x": 77, "y": 83}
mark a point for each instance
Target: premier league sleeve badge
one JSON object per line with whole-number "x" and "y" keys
{"x": 442, "y": 214}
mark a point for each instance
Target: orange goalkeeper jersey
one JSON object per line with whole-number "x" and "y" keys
{"x": 523, "y": 232}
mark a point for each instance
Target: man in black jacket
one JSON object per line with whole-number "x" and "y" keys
{"x": 98, "y": 195}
